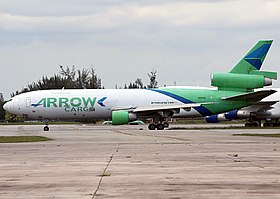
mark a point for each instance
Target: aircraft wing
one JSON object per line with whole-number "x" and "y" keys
{"x": 162, "y": 110}
{"x": 166, "y": 107}
{"x": 253, "y": 96}
{"x": 260, "y": 106}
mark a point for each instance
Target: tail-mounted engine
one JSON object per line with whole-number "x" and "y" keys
{"x": 225, "y": 81}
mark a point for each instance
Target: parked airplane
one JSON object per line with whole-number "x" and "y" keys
{"x": 234, "y": 91}
{"x": 267, "y": 109}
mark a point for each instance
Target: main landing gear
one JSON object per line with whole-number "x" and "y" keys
{"x": 271, "y": 124}
{"x": 158, "y": 126}
{"x": 267, "y": 123}
{"x": 252, "y": 124}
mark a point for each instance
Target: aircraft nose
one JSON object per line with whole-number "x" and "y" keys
{"x": 8, "y": 106}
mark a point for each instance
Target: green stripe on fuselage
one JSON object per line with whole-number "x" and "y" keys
{"x": 207, "y": 95}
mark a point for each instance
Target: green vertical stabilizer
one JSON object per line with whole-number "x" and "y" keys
{"x": 254, "y": 59}
{"x": 246, "y": 75}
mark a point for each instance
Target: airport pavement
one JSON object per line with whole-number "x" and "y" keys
{"x": 88, "y": 161}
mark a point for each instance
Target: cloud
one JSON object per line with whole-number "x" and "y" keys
{"x": 220, "y": 14}
{"x": 177, "y": 38}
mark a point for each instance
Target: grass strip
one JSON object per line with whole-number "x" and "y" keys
{"x": 222, "y": 127}
{"x": 259, "y": 134}
{"x": 36, "y": 123}
{"x": 17, "y": 139}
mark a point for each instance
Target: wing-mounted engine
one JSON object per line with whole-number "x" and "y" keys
{"x": 231, "y": 115}
{"x": 237, "y": 114}
{"x": 122, "y": 117}
{"x": 215, "y": 118}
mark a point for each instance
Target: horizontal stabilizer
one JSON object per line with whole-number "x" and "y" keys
{"x": 253, "y": 96}
{"x": 268, "y": 74}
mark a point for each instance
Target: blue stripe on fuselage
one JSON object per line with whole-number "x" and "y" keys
{"x": 202, "y": 110}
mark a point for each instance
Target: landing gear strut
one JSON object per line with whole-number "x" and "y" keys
{"x": 159, "y": 122}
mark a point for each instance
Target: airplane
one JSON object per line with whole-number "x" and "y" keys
{"x": 267, "y": 109}
{"x": 235, "y": 90}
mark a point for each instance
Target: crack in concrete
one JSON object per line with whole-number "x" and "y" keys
{"x": 155, "y": 136}
{"x": 104, "y": 172}
{"x": 246, "y": 160}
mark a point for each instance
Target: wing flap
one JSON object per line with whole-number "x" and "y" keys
{"x": 165, "y": 107}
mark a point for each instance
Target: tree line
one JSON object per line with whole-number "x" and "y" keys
{"x": 72, "y": 78}
{"x": 68, "y": 78}
{"x": 139, "y": 84}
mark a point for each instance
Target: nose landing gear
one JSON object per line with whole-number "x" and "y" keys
{"x": 46, "y": 128}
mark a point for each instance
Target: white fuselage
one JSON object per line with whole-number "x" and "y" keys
{"x": 87, "y": 103}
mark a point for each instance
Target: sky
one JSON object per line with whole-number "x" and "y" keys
{"x": 184, "y": 41}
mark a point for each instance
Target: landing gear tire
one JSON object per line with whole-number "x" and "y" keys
{"x": 255, "y": 124}
{"x": 46, "y": 128}
{"x": 247, "y": 124}
{"x": 160, "y": 127}
{"x": 152, "y": 127}
{"x": 166, "y": 125}
{"x": 252, "y": 124}
{"x": 271, "y": 124}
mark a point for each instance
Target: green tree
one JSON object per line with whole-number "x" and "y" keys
{"x": 2, "y": 111}
{"x": 132, "y": 85}
{"x": 138, "y": 82}
{"x": 68, "y": 73}
{"x": 94, "y": 80}
{"x": 153, "y": 82}
{"x": 86, "y": 78}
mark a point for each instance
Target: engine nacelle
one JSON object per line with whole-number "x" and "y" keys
{"x": 237, "y": 114}
{"x": 215, "y": 118}
{"x": 232, "y": 115}
{"x": 122, "y": 117}
{"x": 239, "y": 81}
